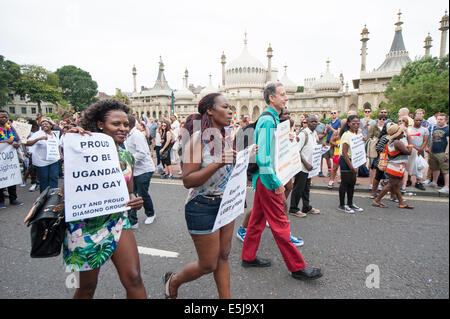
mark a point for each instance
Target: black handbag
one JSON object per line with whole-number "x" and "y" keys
{"x": 166, "y": 153}
{"x": 46, "y": 219}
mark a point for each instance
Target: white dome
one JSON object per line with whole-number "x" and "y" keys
{"x": 245, "y": 71}
{"x": 184, "y": 94}
{"x": 288, "y": 84}
{"x": 327, "y": 82}
{"x": 209, "y": 89}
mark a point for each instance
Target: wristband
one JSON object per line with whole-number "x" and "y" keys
{"x": 410, "y": 146}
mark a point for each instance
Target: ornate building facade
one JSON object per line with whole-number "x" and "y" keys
{"x": 244, "y": 78}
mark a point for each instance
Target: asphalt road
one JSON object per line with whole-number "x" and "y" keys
{"x": 410, "y": 248}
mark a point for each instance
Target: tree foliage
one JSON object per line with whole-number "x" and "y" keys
{"x": 39, "y": 85}
{"x": 77, "y": 86}
{"x": 423, "y": 83}
{"x": 9, "y": 74}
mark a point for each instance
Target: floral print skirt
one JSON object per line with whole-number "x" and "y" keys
{"x": 90, "y": 243}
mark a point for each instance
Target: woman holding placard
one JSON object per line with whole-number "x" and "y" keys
{"x": 46, "y": 155}
{"x": 348, "y": 172}
{"x": 91, "y": 242}
{"x": 207, "y": 167}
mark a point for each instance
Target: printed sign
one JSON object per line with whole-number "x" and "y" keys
{"x": 94, "y": 184}
{"x": 52, "y": 149}
{"x": 287, "y": 157}
{"x": 357, "y": 146}
{"x": 9, "y": 166}
{"x": 233, "y": 199}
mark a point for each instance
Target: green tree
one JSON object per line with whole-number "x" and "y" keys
{"x": 39, "y": 85}
{"x": 9, "y": 74}
{"x": 423, "y": 83}
{"x": 122, "y": 98}
{"x": 77, "y": 86}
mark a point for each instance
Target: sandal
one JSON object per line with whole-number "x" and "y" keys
{"x": 166, "y": 279}
{"x": 406, "y": 206}
{"x": 380, "y": 204}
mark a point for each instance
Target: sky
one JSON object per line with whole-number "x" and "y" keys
{"x": 106, "y": 38}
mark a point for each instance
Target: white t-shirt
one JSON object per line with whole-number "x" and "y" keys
{"x": 307, "y": 149}
{"x": 40, "y": 149}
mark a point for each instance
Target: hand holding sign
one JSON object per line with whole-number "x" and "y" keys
{"x": 94, "y": 183}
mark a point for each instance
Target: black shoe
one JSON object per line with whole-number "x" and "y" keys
{"x": 420, "y": 186}
{"x": 408, "y": 183}
{"x": 308, "y": 273}
{"x": 258, "y": 262}
{"x": 16, "y": 203}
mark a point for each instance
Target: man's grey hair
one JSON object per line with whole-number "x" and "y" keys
{"x": 270, "y": 89}
{"x": 312, "y": 118}
{"x": 404, "y": 111}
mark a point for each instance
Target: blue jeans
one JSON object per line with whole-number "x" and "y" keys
{"x": 141, "y": 185}
{"x": 48, "y": 176}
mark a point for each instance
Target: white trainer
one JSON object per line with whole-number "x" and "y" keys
{"x": 149, "y": 220}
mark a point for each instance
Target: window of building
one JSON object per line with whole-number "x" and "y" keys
{"x": 33, "y": 110}
{"x": 24, "y": 110}
{"x": 12, "y": 110}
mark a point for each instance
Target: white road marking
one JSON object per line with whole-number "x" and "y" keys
{"x": 157, "y": 252}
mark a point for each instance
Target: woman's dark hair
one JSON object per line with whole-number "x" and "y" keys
{"x": 206, "y": 103}
{"x": 347, "y": 126}
{"x": 97, "y": 112}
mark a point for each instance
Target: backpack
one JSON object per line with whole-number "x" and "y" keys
{"x": 250, "y": 140}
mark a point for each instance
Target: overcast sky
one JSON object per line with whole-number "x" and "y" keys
{"x": 106, "y": 38}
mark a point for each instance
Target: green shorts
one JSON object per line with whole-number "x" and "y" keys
{"x": 438, "y": 161}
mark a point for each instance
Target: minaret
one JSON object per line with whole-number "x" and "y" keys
{"x": 428, "y": 45}
{"x": 364, "y": 39}
{"x": 269, "y": 63}
{"x": 223, "y": 61}
{"x": 134, "y": 78}
{"x": 443, "y": 29}
{"x": 186, "y": 75}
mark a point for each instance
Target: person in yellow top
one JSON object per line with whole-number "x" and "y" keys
{"x": 348, "y": 172}
{"x": 335, "y": 143}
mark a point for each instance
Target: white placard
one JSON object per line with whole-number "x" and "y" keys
{"x": 94, "y": 184}
{"x": 287, "y": 157}
{"x": 318, "y": 151}
{"x": 23, "y": 130}
{"x": 233, "y": 199}
{"x": 357, "y": 146}
{"x": 52, "y": 149}
{"x": 9, "y": 166}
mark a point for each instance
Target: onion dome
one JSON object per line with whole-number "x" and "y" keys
{"x": 245, "y": 71}
{"x": 327, "y": 82}
{"x": 288, "y": 84}
{"x": 210, "y": 88}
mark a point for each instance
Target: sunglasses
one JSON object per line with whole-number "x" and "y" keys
{"x": 305, "y": 123}
{"x": 333, "y": 113}
{"x": 367, "y": 111}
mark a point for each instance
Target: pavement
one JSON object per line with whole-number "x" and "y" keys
{"x": 405, "y": 251}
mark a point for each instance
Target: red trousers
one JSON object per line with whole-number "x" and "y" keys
{"x": 269, "y": 206}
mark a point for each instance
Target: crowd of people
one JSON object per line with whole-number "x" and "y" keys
{"x": 396, "y": 153}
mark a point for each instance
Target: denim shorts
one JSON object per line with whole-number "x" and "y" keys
{"x": 201, "y": 213}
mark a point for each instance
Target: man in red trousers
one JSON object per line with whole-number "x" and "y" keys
{"x": 269, "y": 195}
